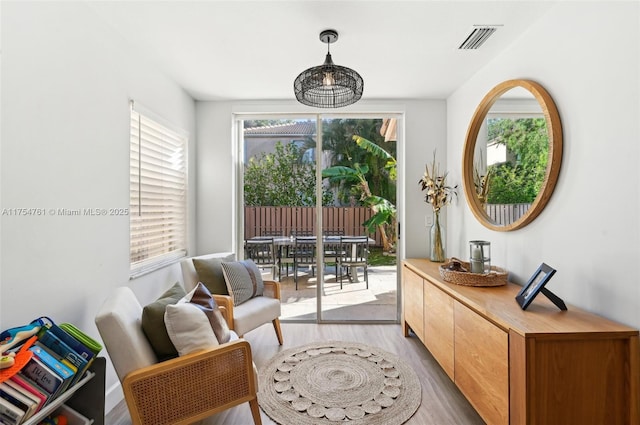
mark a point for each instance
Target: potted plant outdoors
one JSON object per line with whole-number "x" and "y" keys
{"x": 439, "y": 195}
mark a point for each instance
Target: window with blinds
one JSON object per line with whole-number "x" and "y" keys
{"x": 158, "y": 192}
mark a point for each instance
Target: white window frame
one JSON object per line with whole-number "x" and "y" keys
{"x": 158, "y": 192}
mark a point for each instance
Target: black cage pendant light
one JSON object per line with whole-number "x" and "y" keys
{"x": 328, "y": 85}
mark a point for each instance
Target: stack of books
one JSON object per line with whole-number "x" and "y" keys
{"x": 61, "y": 356}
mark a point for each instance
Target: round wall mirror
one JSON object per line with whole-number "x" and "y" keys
{"x": 512, "y": 155}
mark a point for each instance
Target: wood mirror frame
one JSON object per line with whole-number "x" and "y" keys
{"x": 554, "y": 129}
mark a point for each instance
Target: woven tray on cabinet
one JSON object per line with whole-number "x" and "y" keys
{"x": 497, "y": 276}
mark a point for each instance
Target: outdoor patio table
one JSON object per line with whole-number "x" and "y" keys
{"x": 288, "y": 241}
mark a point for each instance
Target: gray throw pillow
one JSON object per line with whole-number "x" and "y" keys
{"x": 243, "y": 279}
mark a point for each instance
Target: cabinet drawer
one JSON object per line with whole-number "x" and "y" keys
{"x": 438, "y": 326}
{"x": 412, "y": 294}
{"x": 482, "y": 364}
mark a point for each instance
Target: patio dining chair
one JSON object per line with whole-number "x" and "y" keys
{"x": 332, "y": 250}
{"x": 355, "y": 253}
{"x": 304, "y": 254}
{"x": 281, "y": 249}
{"x": 263, "y": 253}
{"x": 287, "y": 257}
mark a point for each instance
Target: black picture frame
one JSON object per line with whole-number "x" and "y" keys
{"x": 535, "y": 285}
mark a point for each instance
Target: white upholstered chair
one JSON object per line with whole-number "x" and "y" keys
{"x": 250, "y": 314}
{"x": 182, "y": 390}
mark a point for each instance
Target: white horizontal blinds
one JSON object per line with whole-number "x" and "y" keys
{"x": 158, "y": 188}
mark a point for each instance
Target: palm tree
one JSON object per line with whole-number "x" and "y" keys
{"x": 384, "y": 216}
{"x": 337, "y": 137}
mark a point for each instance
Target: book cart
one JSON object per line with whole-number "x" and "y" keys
{"x": 86, "y": 397}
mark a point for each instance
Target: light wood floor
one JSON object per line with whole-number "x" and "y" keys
{"x": 442, "y": 402}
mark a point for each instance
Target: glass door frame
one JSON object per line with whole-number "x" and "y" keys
{"x": 238, "y": 149}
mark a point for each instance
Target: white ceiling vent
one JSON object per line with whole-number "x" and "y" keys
{"x": 478, "y": 36}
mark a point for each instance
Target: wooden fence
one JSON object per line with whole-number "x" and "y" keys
{"x": 504, "y": 214}
{"x": 286, "y": 221}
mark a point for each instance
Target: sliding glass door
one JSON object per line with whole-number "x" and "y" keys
{"x": 359, "y": 180}
{"x": 322, "y": 190}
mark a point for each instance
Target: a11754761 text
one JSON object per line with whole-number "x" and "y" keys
{"x": 92, "y": 212}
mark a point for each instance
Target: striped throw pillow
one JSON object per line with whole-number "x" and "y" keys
{"x": 244, "y": 280}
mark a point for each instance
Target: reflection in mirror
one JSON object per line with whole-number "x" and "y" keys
{"x": 512, "y": 155}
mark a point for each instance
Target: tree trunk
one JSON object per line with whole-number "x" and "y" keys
{"x": 386, "y": 246}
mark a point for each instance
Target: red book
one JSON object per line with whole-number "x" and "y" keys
{"x": 20, "y": 381}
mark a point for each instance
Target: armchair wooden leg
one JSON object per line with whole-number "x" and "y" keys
{"x": 276, "y": 326}
{"x": 255, "y": 411}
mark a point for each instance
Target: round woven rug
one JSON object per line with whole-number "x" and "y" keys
{"x": 338, "y": 381}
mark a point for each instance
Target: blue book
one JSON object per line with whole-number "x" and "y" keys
{"x": 56, "y": 356}
{"x": 58, "y": 346}
{"x": 77, "y": 346}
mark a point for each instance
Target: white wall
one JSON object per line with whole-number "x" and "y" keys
{"x": 589, "y": 231}
{"x": 214, "y": 165}
{"x": 426, "y": 133}
{"x": 66, "y": 84}
{"x": 424, "y": 129}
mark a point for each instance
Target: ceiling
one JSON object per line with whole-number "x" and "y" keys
{"x": 253, "y": 50}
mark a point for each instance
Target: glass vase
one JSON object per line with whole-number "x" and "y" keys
{"x": 437, "y": 240}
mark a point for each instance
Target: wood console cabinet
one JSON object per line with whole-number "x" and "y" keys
{"x": 541, "y": 366}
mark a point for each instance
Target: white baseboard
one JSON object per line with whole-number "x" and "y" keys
{"x": 113, "y": 396}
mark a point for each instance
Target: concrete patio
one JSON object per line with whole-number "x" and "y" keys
{"x": 353, "y": 302}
